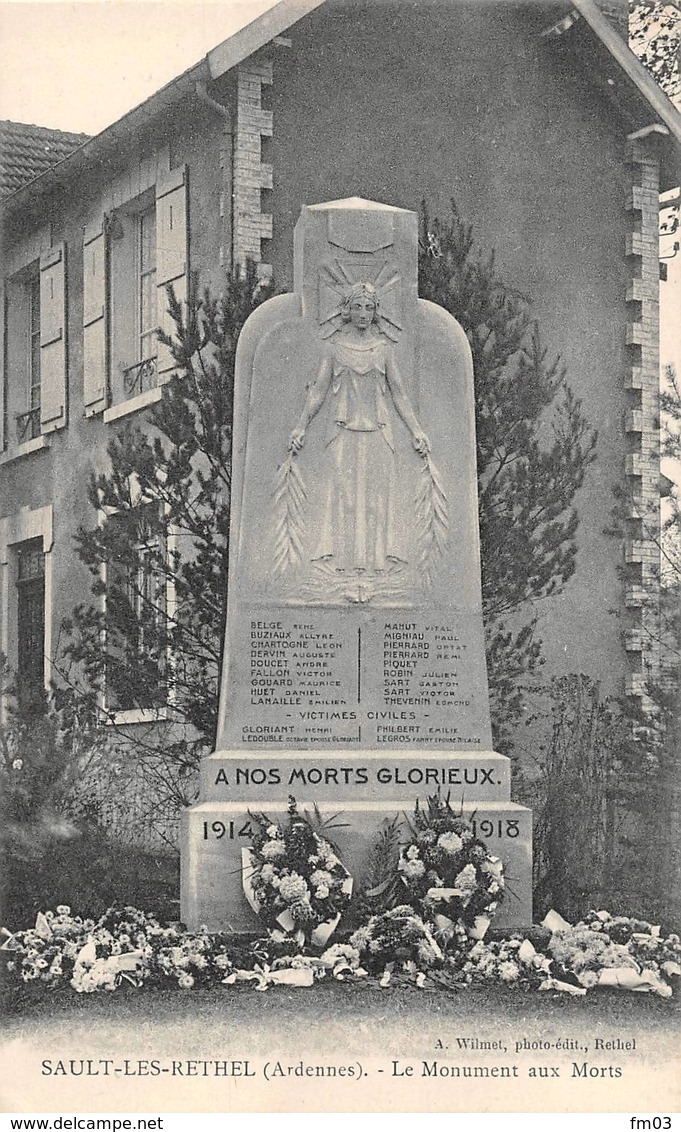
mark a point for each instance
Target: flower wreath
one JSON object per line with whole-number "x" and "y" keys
{"x": 294, "y": 879}
{"x": 450, "y": 874}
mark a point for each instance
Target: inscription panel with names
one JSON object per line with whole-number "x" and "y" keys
{"x": 305, "y": 678}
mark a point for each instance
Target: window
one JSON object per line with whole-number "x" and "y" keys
{"x": 147, "y": 305}
{"x": 32, "y": 417}
{"x": 140, "y": 371}
{"x": 129, "y": 257}
{"x": 26, "y": 552}
{"x": 136, "y": 629}
{"x": 30, "y": 583}
{"x": 35, "y": 352}
{"x": 133, "y": 321}
{"x": 142, "y": 375}
{"x": 23, "y": 356}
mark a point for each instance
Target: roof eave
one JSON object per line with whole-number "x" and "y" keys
{"x": 266, "y": 28}
{"x": 217, "y": 62}
{"x": 661, "y": 106}
{"x": 257, "y": 34}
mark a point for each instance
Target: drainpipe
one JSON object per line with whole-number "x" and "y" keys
{"x": 202, "y": 93}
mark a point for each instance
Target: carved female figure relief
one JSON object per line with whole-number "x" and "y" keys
{"x": 358, "y": 552}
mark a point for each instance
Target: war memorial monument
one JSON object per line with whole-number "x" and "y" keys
{"x": 354, "y": 674}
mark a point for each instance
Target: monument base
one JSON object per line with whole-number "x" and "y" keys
{"x": 214, "y": 833}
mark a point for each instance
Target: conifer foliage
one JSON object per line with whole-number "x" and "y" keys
{"x": 159, "y": 551}
{"x": 534, "y": 446}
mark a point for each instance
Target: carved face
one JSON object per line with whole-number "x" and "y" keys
{"x": 362, "y": 311}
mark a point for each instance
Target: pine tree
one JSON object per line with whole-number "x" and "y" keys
{"x": 160, "y": 555}
{"x": 533, "y": 450}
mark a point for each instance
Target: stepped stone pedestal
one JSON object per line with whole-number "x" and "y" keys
{"x": 354, "y": 676}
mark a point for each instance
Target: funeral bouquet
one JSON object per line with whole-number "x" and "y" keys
{"x": 294, "y": 879}
{"x": 47, "y": 952}
{"x": 644, "y": 941}
{"x": 398, "y": 939}
{"x": 125, "y": 945}
{"x": 514, "y": 961}
{"x": 615, "y": 951}
{"x": 450, "y": 874}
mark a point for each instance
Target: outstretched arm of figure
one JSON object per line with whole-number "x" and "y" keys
{"x": 403, "y": 406}
{"x": 313, "y": 403}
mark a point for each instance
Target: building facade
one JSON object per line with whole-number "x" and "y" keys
{"x": 536, "y": 118}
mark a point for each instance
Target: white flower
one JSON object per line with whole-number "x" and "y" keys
{"x": 509, "y": 971}
{"x": 327, "y": 854}
{"x": 17, "y": 764}
{"x": 63, "y": 910}
{"x": 322, "y": 892}
{"x": 273, "y": 849}
{"x": 587, "y": 979}
{"x": 412, "y": 869}
{"x": 185, "y": 980}
{"x": 321, "y": 876}
{"x": 273, "y": 831}
{"x": 450, "y": 842}
{"x": 266, "y": 873}
{"x": 341, "y": 952}
{"x": 293, "y": 888}
{"x": 360, "y": 938}
{"x": 412, "y": 852}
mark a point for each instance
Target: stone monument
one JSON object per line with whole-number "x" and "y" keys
{"x": 354, "y": 674}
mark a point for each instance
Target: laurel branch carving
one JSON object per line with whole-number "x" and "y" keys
{"x": 432, "y": 516}
{"x": 288, "y": 504}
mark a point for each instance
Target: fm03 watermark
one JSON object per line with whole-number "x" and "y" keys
{"x": 647, "y": 1123}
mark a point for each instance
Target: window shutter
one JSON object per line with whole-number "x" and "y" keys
{"x": 171, "y": 253}
{"x": 53, "y": 339}
{"x": 94, "y": 319}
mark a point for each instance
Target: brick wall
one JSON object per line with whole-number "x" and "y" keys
{"x": 251, "y": 175}
{"x": 642, "y": 460}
